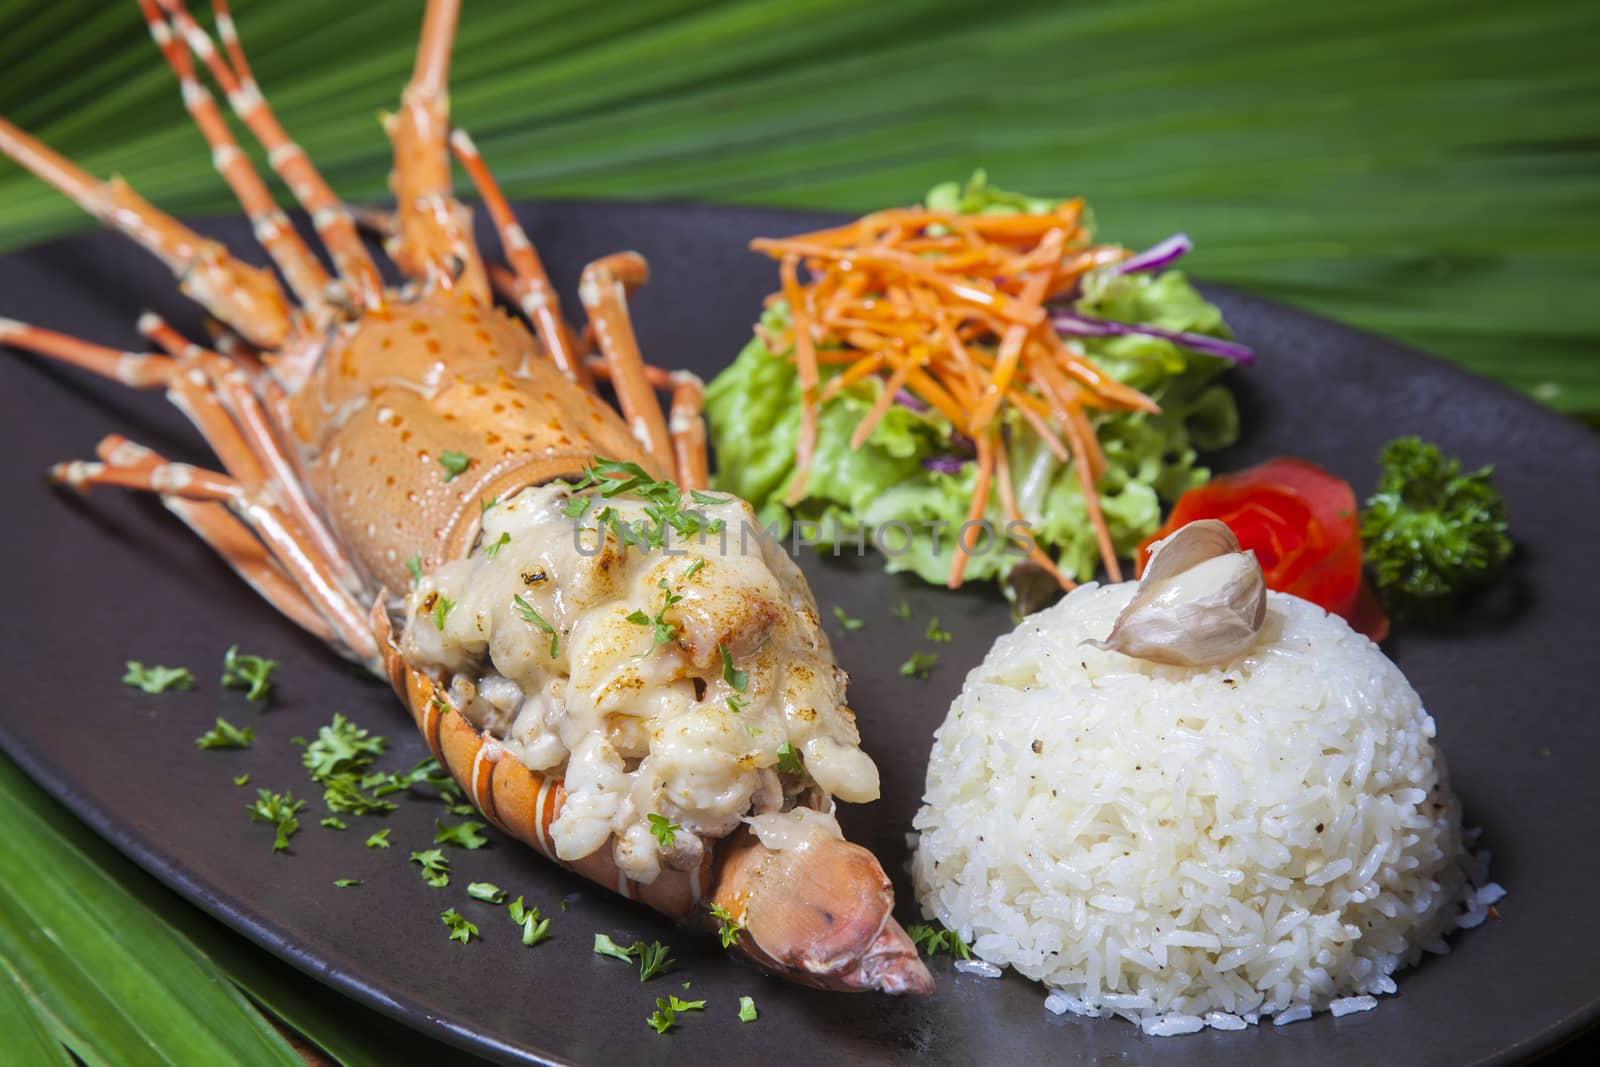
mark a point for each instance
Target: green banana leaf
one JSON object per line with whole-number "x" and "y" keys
{"x": 1424, "y": 168}
{"x": 99, "y": 958}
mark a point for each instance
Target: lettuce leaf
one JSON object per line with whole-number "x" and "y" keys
{"x": 754, "y": 411}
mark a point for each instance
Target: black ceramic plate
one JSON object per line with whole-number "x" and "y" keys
{"x": 90, "y": 583}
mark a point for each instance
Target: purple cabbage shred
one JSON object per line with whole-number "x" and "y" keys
{"x": 1157, "y": 256}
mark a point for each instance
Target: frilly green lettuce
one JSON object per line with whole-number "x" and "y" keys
{"x": 754, "y": 411}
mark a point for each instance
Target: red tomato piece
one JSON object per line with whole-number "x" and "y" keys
{"x": 1303, "y": 525}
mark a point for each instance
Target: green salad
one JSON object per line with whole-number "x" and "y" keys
{"x": 913, "y": 479}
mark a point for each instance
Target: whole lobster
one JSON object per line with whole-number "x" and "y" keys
{"x": 363, "y": 430}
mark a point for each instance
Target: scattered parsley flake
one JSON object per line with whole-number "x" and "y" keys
{"x": 155, "y": 679}
{"x": 441, "y": 607}
{"x": 281, "y": 810}
{"x": 847, "y": 621}
{"x": 225, "y": 735}
{"x": 654, "y": 958}
{"x": 575, "y": 507}
{"x": 604, "y": 946}
{"x": 468, "y": 835}
{"x": 736, "y": 705}
{"x": 333, "y": 823}
{"x": 414, "y": 565}
{"x": 461, "y": 929}
{"x": 694, "y": 568}
{"x": 664, "y": 829}
{"x": 666, "y": 1013}
{"x": 490, "y": 551}
{"x": 789, "y": 761}
{"x": 337, "y": 759}
{"x": 485, "y": 505}
{"x": 379, "y": 839}
{"x": 487, "y": 892}
{"x": 240, "y": 670}
{"x": 347, "y": 883}
{"x": 534, "y": 928}
{"x": 435, "y": 867}
{"x": 901, "y": 610}
{"x": 933, "y": 940}
{"x": 737, "y": 679}
{"x": 241, "y": 779}
{"x": 528, "y": 615}
{"x": 663, "y": 632}
{"x": 747, "y": 1010}
{"x": 935, "y": 634}
{"x": 919, "y": 664}
{"x": 706, "y": 498}
{"x": 454, "y": 463}
{"x": 727, "y": 926}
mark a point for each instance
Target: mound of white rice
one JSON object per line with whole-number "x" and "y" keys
{"x": 1189, "y": 847}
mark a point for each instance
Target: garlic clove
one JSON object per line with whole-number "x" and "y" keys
{"x": 1200, "y": 602}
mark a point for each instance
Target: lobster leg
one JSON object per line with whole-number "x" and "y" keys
{"x": 306, "y": 276}
{"x": 136, "y": 370}
{"x": 298, "y": 557}
{"x": 603, "y": 289}
{"x": 432, "y": 239}
{"x": 247, "y": 298}
{"x": 227, "y": 536}
{"x": 288, "y": 160}
{"x": 250, "y": 424}
{"x": 530, "y": 286}
{"x": 686, "y": 423}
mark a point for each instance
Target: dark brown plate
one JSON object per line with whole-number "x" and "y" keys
{"x": 90, "y": 583}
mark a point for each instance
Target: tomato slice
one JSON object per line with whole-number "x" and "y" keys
{"x": 1303, "y": 525}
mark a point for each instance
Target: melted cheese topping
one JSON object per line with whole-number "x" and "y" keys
{"x": 633, "y": 727}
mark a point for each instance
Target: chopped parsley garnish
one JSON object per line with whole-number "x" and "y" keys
{"x": 727, "y": 926}
{"x": 347, "y": 883}
{"x": 492, "y": 550}
{"x": 737, "y": 679}
{"x": 441, "y": 608}
{"x": 435, "y": 867}
{"x": 157, "y": 679}
{"x": 849, "y": 622}
{"x": 225, "y": 735}
{"x": 736, "y": 705}
{"x": 935, "y": 634}
{"x": 241, "y": 779}
{"x": 281, "y": 810}
{"x": 332, "y": 823}
{"x": 666, "y": 1014}
{"x": 575, "y": 506}
{"x": 487, "y": 892}
{"x": 933, "y": 940}
{"x": 468, "y": 835}
{"x": 665, "y": 507}
{"x": 379, "y": 839}
{"x": 654, "y": 958}
{"x": 454, "y": 463}
{"x": 693, "y": 569}
{"x": 336, "y": 759}
{"x": 485, "y": 505}
{"x": 706, "y": 498}
{"x": 250, "y": 673}
{"x": 747, "y": 1010}
{"x": 534, "y": 928}
{"x": 662, "y": 631}
{"x": 461, "y": 929}
{"x": 789, "y": 761}
{"x": 414, "y": 565}
{"x": 664, "y": 829}
{"x": 901, "y": 610}
{"x": 919, "y": 664}
{"x": 526, "y": 612}
{"x": 604, "y": 946}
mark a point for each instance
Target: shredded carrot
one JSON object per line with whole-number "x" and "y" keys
{"x": 1008, "y": 504}
{"x": 951, "y": 309}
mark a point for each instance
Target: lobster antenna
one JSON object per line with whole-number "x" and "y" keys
{"x": 432, "y": 239}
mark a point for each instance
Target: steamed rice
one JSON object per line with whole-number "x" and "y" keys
{"x": 1194, "y": 847}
